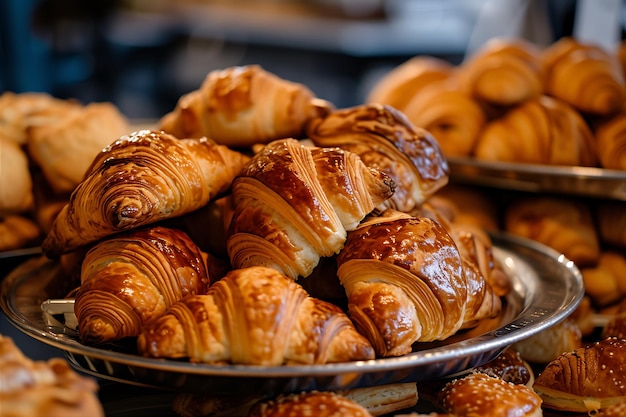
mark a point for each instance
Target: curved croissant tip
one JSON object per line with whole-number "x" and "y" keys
{"x": 97, "y": 331}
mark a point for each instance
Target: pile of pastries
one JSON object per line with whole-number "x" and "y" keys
{"x": 516, "y": 102}
{"x": 257, "y": 224}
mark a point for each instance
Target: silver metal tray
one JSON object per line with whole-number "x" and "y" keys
{"x": 571, "y": 180}
{"x": 547, "y": 288}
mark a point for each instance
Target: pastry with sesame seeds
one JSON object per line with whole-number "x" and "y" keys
{"x": 313, "y": 403}
{"x": 479, "y": 394}
{"x": 586, "y": 379}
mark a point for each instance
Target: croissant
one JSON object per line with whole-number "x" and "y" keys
{"x": 132, "y": 278}
{"x": 585, "y": 76}
{"x": 64, "y": 149}
{"x": 541, "y": 131}
{"x": 294, "y": 204}
{"x": 43, "y": 388}
{"x": 407, "y": 282}
{"x": 242, "y": 106}
{"x": 139, "y": 179}
{"x": 255, "y": 316}
{"x": 504, "y": 72}
{"x": 451, "y": 115}
{"x": 16, "y": 183}
{"x": 605, "y": 282}
{"x": 611, "y": 137}
{"x": 396, "y": 87}
{"x": 479, "y": 394}
{"x": 18, "y": 231}
{"x": 586, "y": 379}
{"x": 385, "y": 139}
{"x": 562, "y": 224}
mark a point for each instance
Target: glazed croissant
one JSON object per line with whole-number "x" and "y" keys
{"x": 584, "y": 76}
{"x": 586, "y": 379}
{"x": 407, "y": 282}
{"x": 542, "y": 131}
{"x": 385, "y": 139}
{"x": 132, "y": 278}
{"x": 243, "y": 106}
{"x": 396, "y": 87}
{"x": 562, "y": 224}
{"x": 139, "y": 179}
{"x": 255, "y": 316}
{"x": 451, "y": 115}
{"x": 611, "y": 136}
{"x": 294, "y": 204}
{"x": 504, "y": 72}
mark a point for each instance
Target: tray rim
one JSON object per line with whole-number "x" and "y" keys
{"x": 526, "y": 323}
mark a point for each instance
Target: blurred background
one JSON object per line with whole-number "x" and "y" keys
{"x": 143, "y": 54}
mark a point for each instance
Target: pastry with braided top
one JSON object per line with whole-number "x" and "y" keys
{"x": 504, "y": 72}
{"x": 541, "y": 131}
{"x": 255, "y": 316}
{"x": 585, "y": 76}
{"x": 132, "y": 278}
{"x": 294, "y": 204}
{"x": 407, "y": 282}
{"x": 586, "y": 379}
{"x": 244, "y": 105}
{"x": 386, "y": 140}
{"x": 138, "y": 180}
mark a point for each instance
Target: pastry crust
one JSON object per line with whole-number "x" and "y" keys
{"x": 255, "y": 316}
{"x": 140, "y": 179}
{"x": 64, "y": 149}
{"x": 133, "y": 278}
{"x": 386, "y": 140}
{"x": 36, "y": 388}
{"x": 294, "y": 204}
{"x": 586, "y": 379}
{"x": 242, "y": 106}
{"x": 479, "y": 394}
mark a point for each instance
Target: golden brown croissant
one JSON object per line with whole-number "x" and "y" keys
{"x": 479, "y": 394}
{"x": 451, "y": 115}
{"x": 294, "y": 204}
{"x": 542, "y": 131}
{"x": 406, "y": 80}
{"x": 242, "y": 106}
{"x": 407, "y": 282}
{"x": 139, "y": 179}
{"x": 504, "y": 72}
{"x": 36, "y": 388}
{"x": 16, "y": 183}
{"x": 611, "y": 138}
{"x": 17, "y": 231}
{"x": 255, "y": 316}
{"x": 65, "y": 148}
{"x": 132, "y": 278}
{"x": 584, "y": 76}
{"x": 605, "y": 281}
{"x": 311, "y": 403}
{"x": 560, "y": 223}
{"x": 385, "y": 139}
{"x": 586, "y": 379}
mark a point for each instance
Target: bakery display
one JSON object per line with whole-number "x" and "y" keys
{"x": 259, "y": 227}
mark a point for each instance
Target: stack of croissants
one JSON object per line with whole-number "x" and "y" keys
{"x": 257, "y": 224}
